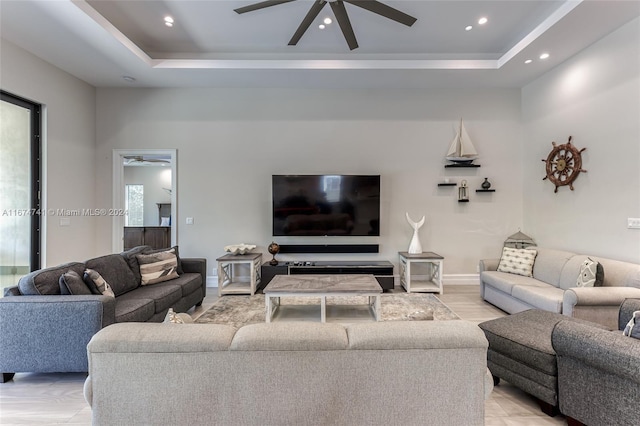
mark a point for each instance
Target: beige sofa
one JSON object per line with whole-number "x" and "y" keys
{"x": 553, "y": 287}
{"x": 289, "y": 373}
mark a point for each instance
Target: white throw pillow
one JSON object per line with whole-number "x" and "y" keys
{"x": 174, "y": 318}
{"x": 517, "y": 261}
{"x": 633, "y": 329}
{"x": 591, "y": 274}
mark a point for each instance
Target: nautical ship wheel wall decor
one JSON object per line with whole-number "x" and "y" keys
{"x": 564, "y": 164}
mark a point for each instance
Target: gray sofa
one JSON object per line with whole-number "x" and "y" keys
{"x": 553, "y": 287}
{"x": 598, "y": 372}
{"x": 45, "y": 331}
{"x": 289, "y": 373}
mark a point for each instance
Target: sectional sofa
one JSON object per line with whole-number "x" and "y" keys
{"x": 598, "y": 374}
{"x": 553, "y": 286}
{"x": 289, "y": 373}
{"x": 45, "y": 331}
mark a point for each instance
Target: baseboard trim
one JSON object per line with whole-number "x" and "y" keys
{"x": 461, "y": 279}
{"x": 212, "y": 281}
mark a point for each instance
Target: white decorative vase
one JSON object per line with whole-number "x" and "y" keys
{"x": 414, "y": 246}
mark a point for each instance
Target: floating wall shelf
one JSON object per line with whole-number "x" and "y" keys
{"x": 447, "y": 184}
{"x": 485, "y": 190}
{"x": 461, "y": 166}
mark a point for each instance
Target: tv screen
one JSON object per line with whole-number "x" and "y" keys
{"x": 307, "y": 205}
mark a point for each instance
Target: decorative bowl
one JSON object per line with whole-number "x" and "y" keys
{"x": 241, "y": 248}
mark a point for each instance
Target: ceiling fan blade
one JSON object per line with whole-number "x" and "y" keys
{"x": 384, "y": 10}
{"x": 307, "y": 21}
{"x": 345, "y": 25}
{"x": 261, "y": 5}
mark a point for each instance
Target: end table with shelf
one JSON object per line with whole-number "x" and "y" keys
{"x": 231, "y": 283}
{"x": 421, "y": 272}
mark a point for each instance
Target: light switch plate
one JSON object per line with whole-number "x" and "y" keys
{"x": 65, "y": 221}
{"x": 633, "y": 223}
{"x": 189, "y": 221}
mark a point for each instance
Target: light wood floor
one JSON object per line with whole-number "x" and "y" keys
{"x": 47, "y": 399}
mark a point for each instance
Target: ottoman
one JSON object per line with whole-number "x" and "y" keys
{"x": 520, "y": 352}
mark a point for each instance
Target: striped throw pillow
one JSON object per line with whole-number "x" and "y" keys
{"x": 517, "y": 261}
{"x": 158, "y": 267}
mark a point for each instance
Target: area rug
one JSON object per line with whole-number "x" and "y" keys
{"x": 239, "y": 310}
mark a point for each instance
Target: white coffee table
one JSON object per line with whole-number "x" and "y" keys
{"x": 322, "y": 286}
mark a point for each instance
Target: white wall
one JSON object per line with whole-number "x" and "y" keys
{"x": 595, "y": 97}
{"x": 69, "y": 140}
{"x": 154, "y": 179}
{"x": 230, "y": 142}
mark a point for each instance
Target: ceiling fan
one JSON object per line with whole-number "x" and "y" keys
{"x": 340, "y": 13}
{"x": 139, "y": 159}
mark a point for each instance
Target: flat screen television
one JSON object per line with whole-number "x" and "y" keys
{"x": 320, "y": 205}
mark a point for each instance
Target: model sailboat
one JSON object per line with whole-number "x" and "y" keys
{"x": 461, "y": 149}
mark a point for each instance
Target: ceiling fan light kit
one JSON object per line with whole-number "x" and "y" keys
{"x": 340, "y": 13}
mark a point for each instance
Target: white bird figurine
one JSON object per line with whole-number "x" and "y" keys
{"x": 415, "y": 247}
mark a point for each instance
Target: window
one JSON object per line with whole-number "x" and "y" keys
{"x": 19, "y": 188}
{"x": 134, "y": 205}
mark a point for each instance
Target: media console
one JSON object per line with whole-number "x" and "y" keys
{"x": 382, "y": 270}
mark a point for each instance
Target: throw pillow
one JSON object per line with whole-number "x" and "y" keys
{"x": 103, "y": 287}
{"x": 517, "y": 261}
{"x": 174, "y": 249}
{"x": 175, "y": 318}
{"x": 591, "y": 274}
{"x": 158, "y": 267}
{"x": 72, "y": 283}
{"x": 633, "y": 326}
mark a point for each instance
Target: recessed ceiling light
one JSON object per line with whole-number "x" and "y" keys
{"x": 321, "y": 26}
{"x": 544, "y": 56}
{"x": 168, "y": 21}
{"x": 482, "y": 20}
{"x": 327, "y": 21}
{"x": 528, "y": 61}
{"x": 468, "y": 28}
{"x": 128, "y": 78}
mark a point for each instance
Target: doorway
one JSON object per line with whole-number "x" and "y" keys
{"x": 129, "y": 194}
{"x": 20, "y": 187}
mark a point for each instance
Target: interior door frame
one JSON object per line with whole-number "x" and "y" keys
{"x": 118, "y": 201}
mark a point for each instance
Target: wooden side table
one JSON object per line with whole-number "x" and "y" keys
{"x": 229, "y": 282}
{"x": 421, "y": 272}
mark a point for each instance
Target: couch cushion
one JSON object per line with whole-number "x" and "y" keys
{"x": 290, "y": 336}
{"x": 549, "y": 264}
{"x": 158, "y": 267}
{"x": 72, "y": 283}
{"x": 134, "y": 310}
{"x": 188, "y": 282}
{"x": 548, "y": 298}
{"x": 164, "y": 295}
{"x": 132, "y": 261}
{"x": 504, "y": 281}
{"x": 115, "y": 270}
{"x": 47, "y": 281}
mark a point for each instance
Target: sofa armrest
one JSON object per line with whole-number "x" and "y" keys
{"x": 488, "y": 265}
{"x": 50, "y": 333}
{"x": 606, "y": 351}
{"x": 596, "y": 296}
{"x": 197, "y": 265}
{"x": 628, "y": 307}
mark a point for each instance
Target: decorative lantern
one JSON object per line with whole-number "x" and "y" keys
{"x": 519, "y": 240}
{"x": 463, "y": 193}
